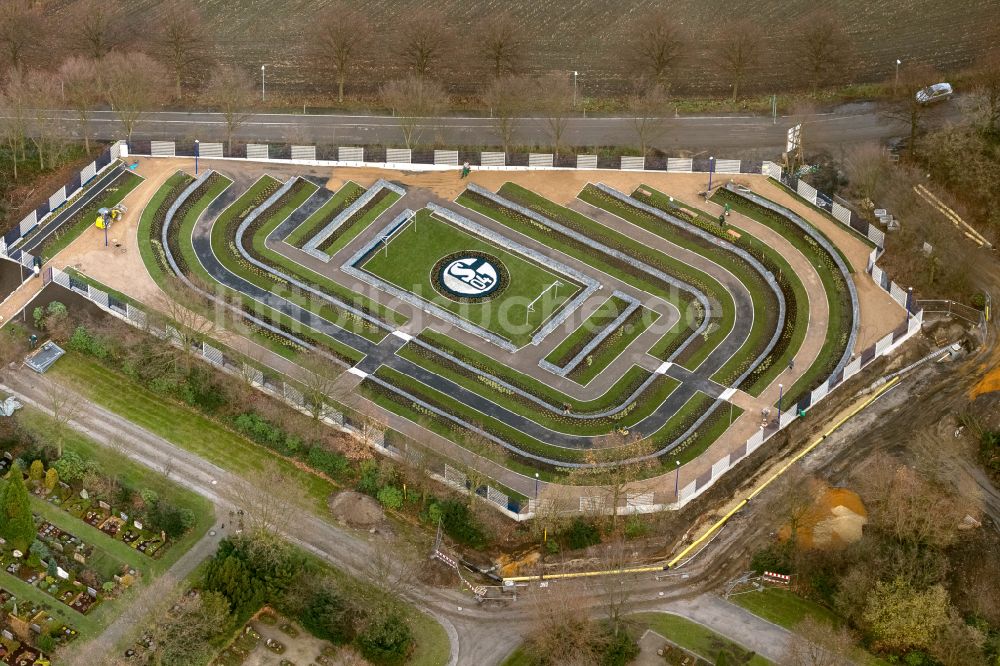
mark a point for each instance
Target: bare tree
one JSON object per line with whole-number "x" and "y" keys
{"x": 340, "y": 35}
{"x": 267, "y": 497}
{"x": 46, "y": 129}
{"x": 867, "y": 166}
{"x": 507, "y": 98}
{"x": 502, "y": 42}
{"x": 646, "y": 108}
{"x": 15, "y": 104}
{"x": 183, "y": 41}
{"x": 97, "y": 25}
{"x": 81, "y": 80}
{"x": 818, "y": 643}
{"x": 616, "y": 590}
{"x": 986, "y": 95}
{"x": 184, "y": 312}
{"x": 739, "y": 51}
{"x": 21, "y": 23}
{"x": 656, "y": 46}
{"x": 232, "y": 91}
{"x": 414, "y": 100}
{"x": 903, "y": 107}
{"x": 560, "y": 626}
{"x": 132, "y": 84}
{"x": 183, "y": 633}
{"x": 792, "y": 499}
{"x": 63, "y": 407}
{"x": 555, "y": 99}
{"x": 319, "y": 381}
{"x": 612, "y": 477}
{"x": 821, "y": 47}
{"x": 423, "y": 40}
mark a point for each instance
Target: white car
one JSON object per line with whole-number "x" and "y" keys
{"x": 935, "y": 93}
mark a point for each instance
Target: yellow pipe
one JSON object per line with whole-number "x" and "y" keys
{"x": 722, "y": 521}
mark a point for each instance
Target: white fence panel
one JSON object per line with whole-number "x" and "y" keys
{"x": 592, "y": 504}
{"x": 58, "y": 198}
{"x": 398, "y": 155}
{"x": 771, "y": 170}
{"x": 493, "y": 159}
{"x": 883, "y": 344}
{"x": 876, "y": 235}
{"x": 135, "y": 315}
{"x": 304, "y": 153}
{"x": 819, "y": 393}
{"x": 211, "y": 354}
{"x": 257, "y": 151}
{"x": 161, "y": 148}
{"x": 454, "y": 476}
{"x": 60, "y": 278}
{"x": 755, "y": 441}
{"x": 720, "y": 467}
{"x": 351, "y": 154}
{"x": 877, "y": 275}
{"x": 688, "y": 491}
{"x": 27, "y": 260}
{"x": 841, "y": 213}
{"x": 680, "y": 164}
{"x": 253, "y": 375}
{"x": 293, "y": 395}
{"x": 539, "y": 159}
{"x": 640, "y": 499}
{"x": 898, "y": 294}
{"x": 29, "y": 222}
{"x": 807, "y": 191}
{"x": 586, "y": 161}
{"x": 787, "y": 417}
{"x": 3, "y": 247}
{"x": 88, "y": 172}
{"x": 210, "y": 150}
{"x": 497, "y": 497}
{"x": 727, "y": 166}
{"x": 446, "y": 157}
{"x": 633, "y": 163}
{"x": 852, "y": 368}
{"x": 98, "y": 296}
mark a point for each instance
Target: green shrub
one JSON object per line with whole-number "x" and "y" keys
{"x": 620, "y": 649}
{"x": 83, "y": 341}
{"x": 369, "y": 480}
{"x": 386, "y": 640}
{"x": 635, "y": 527}
{"x": 776, "y": 558}
{"x": 581, "y": 534}
{"x": 327, "y": 615}
{"x": 391, "y": 497}
{"x": 329, "y": 462}
{"x": 459, "y": 523}
{"x": 172, "y": 520}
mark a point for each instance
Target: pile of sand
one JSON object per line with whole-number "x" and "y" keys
{"x": 355, "y": 509}
{"x": 836, "y": 520}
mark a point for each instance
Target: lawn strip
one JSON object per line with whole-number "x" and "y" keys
{"x": 343, "y": 198}
{"x": 613, "y": 346}
{"x": 587, "y": 331}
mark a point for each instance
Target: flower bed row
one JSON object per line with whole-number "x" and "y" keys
{"x": 359, "y": 214}
{"x": 344, "y": 197}
{"x": 173, "y": 232}
{"x": 612, "y": 346}
{"x": 787, "y": 281}
{"x": 587, "y": 331}
{"x": 624, "y": 269}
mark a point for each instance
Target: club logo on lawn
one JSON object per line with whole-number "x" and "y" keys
{"x": 471, "y": 277}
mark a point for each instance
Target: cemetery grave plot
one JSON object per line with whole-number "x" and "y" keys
{"x": 271, "y": 639}
{"x": 20, "y": 631}
{"x": 550, "y": 376}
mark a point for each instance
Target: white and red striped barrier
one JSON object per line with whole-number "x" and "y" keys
{"x": 782, "y": 579}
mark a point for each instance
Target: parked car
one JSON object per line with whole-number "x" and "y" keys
{"x": 935, "y": 93}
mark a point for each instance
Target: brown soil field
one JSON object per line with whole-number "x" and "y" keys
{"x": 589, "y": 36}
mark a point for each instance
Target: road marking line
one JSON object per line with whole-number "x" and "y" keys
{"x": 358, "y": 373}
{"x": 662, "y": 370}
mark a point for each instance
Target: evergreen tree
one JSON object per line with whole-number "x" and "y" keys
{"x": 51, "y": 479}
{"x": 16, "y": 523}
{"x": 36, "y": 471}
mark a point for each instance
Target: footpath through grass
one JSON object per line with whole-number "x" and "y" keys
{"x": 301, "y": 234}
{"x": 182, "y": 426}
{"x": 697, "y": 638}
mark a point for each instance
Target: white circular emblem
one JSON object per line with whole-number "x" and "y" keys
{"x": 470, "y": 276}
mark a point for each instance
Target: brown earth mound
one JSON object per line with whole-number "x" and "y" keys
{"x": 356, "y": 509}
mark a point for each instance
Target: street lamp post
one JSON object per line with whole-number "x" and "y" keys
{"x": 536, "y": 485}
{"x": 896, "y": 84}
{"x": 711, "y": 168}
{"x": 677, "y": 481}
{"x": 781, "y": 394}
{"x": 262, "y": 82}
{"x": 197, "y": 151}
{"x": 575, "y": 73}
{"x": 909, "y": 302}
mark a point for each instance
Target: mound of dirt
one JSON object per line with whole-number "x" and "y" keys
{"x": 355, "y": 509}
{"x": 835, "y": 520}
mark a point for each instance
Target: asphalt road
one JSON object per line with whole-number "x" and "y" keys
{"x": 736, "y": 136}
